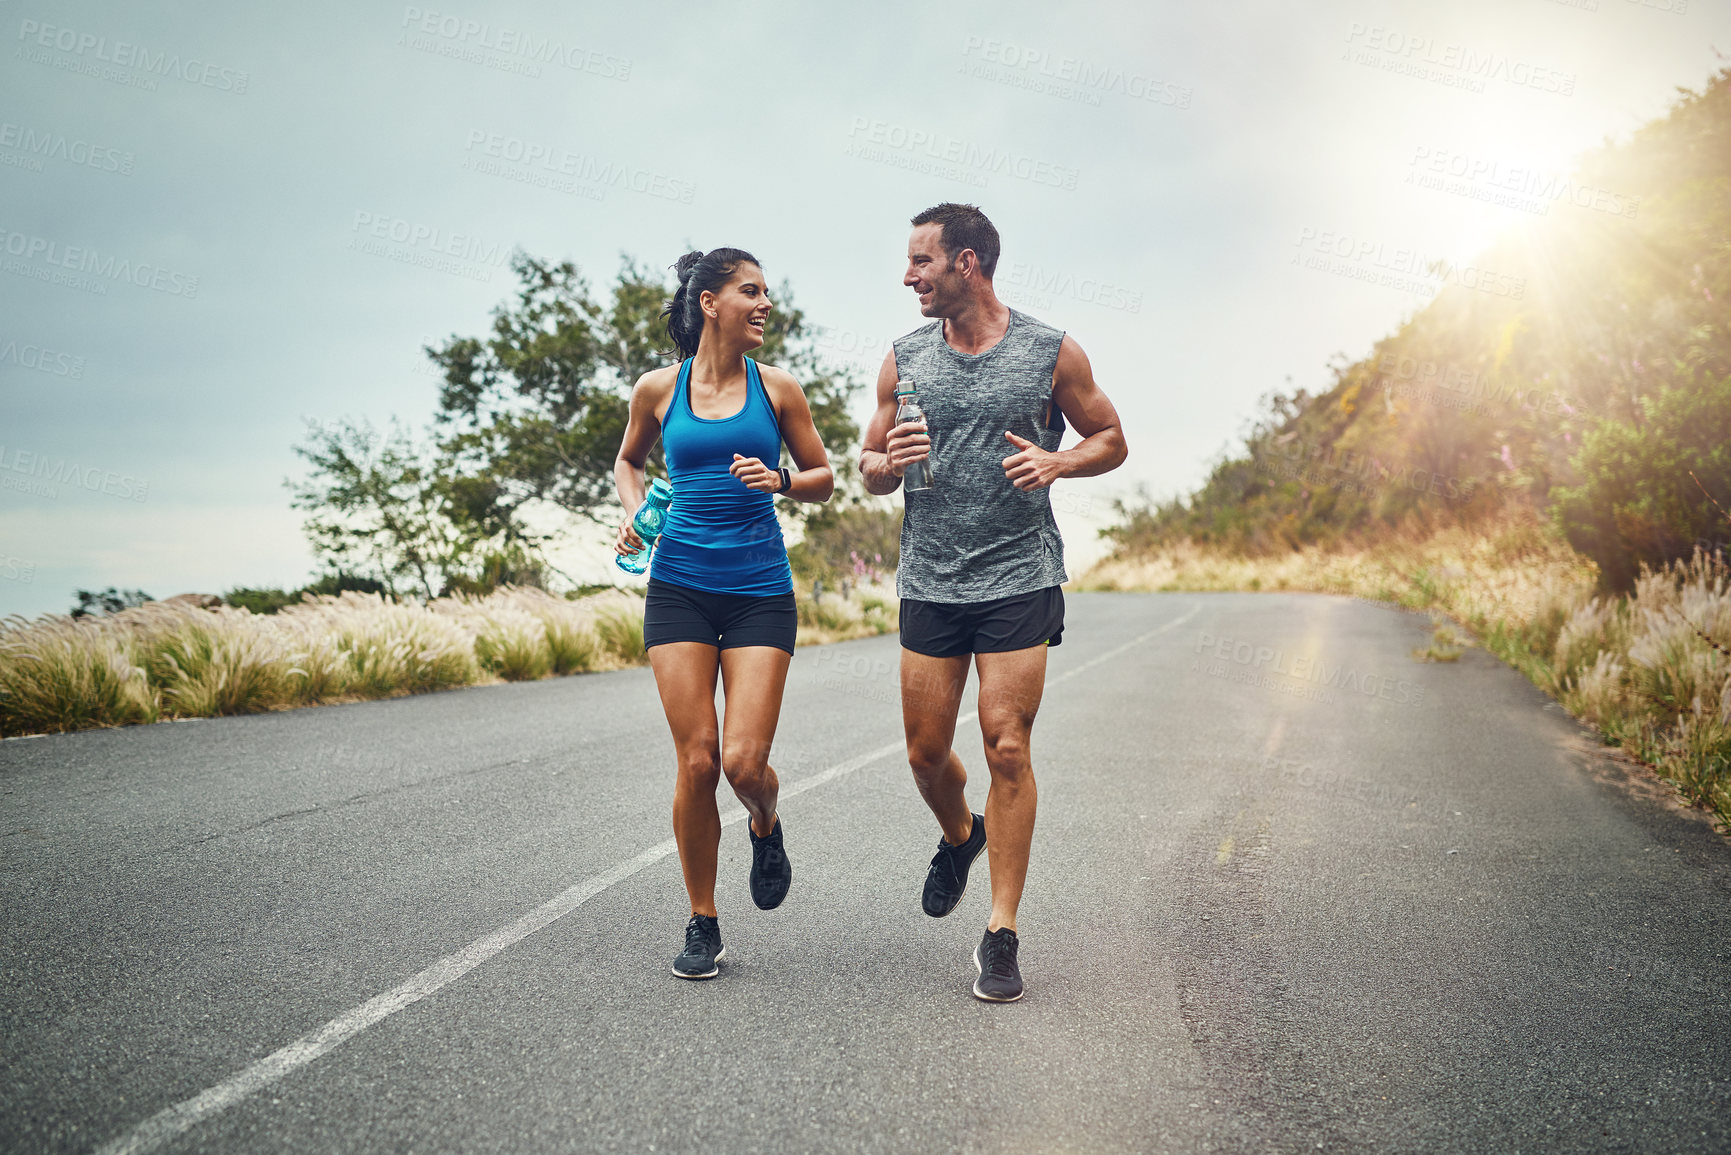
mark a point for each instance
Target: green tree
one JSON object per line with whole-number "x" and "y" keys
{"x": 536, "y": 409}
{"x": 387, "y": 508}
{"x": 95, "y": 603}
{"x": 1637, "y": 503}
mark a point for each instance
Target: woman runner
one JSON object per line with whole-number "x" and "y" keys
{"x": 720, "y": 591}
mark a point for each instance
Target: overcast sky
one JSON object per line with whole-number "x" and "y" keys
{"x": 219, "y": 221}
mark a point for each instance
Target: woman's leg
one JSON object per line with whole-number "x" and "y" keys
{"x": 685, "y": 675}
{"x": 752, "y": 679}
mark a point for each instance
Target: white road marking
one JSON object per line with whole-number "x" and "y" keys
{"x": 172, "y": 1121}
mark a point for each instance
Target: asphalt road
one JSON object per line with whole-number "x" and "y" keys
{"x": 1291, "y": 891}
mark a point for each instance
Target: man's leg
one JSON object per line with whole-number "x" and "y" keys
{"x": 1011, "y": 685}
{"x": 931, "y": 696}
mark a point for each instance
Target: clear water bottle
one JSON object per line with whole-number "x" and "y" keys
{"x": 919, "y": 474}
{"x": 647, "y": 521}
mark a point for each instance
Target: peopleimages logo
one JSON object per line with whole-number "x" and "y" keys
{"x": 1367, "y": 259}
{"x": 1066, "y": 77}
{"x": 1427, "y": 798}
{"x": 1452, "y": 64}
{"x": 940, "y": 150}
{"x": 89, "y": 47}
{"x": 1315, "y": 671}
{"x": 1404, "y": 376}
{"x": 1317, "y": 463}
{"x": 460, "y": 35}
{"x": 37, "y": 145}
{"x": 866, "y": 350}
{"x": 426, "y": 246}
{"x": 88, "y": 261}
{"x": 1054, "y": 283}
{"x": 560, "y": 162}
{"x": 39, "y": 473}
{"x": 1512, "y": 186}
{"x": 28, "y": 356}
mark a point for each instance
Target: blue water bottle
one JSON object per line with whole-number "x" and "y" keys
{"x": 647, "y": 521}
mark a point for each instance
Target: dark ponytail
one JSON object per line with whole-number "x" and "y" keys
{"x": 698, "y": 273}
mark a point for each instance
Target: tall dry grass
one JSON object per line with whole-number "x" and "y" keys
{"x": 168, "y": 660}
{"x": 862, "y": 611}
{"x": 1651, "y": 670}
{"x": 171, "y": 660}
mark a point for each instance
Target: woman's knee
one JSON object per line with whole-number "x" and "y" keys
{"x": 746, "y": 764}
{"x": 700, "y": 767}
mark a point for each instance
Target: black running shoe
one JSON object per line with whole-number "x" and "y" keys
{"x": 1000, "y": 978}
{"x": 702, "y": 951}
{"x": 947, "y": 880}
{"x": 770, "y": 870}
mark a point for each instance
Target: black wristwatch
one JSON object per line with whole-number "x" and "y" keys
{"x": 786, "y": 479}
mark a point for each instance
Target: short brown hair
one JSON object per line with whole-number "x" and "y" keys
{"x": 964, "y": 227}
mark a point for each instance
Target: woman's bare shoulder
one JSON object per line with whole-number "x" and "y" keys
{"x": 657, "y": 384}
{"x": 779, "y": 381}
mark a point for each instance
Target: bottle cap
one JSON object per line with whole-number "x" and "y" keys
{"x": 660, "y": 490}
{"x": 905, "y": 389}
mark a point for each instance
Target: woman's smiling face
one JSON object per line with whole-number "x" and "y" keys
{"x": 740, "y": 309}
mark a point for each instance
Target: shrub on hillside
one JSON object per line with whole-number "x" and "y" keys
{"x": 856, "y": 543}
{"x": 106, "y": 602}
{"x": 1636, "y": 504}
{"x": 270, "y": 600}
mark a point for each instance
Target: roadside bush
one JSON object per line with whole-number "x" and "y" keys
{"x": 508, "y": 641}
{"x": 204, "y": 663}
{"x": 269, "y": 600}
{"x": 854, "y": 543}
{"x": 621, "y": 634}
{"x": 1636, "y": 504}
{"x": 60, "y": 674}
{"x": 392, "y": 648}
{"x": 106, "y": 602}
{"x": 175, "y": 659}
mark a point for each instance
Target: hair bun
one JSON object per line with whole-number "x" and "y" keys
{"x": 683, "y": 266}
{"x": 698, "y": 273}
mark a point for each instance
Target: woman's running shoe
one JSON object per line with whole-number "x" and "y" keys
{"x": 1000, "y": 978}
{"x": 703, "y": 949}
{"x": 770, "y": 871}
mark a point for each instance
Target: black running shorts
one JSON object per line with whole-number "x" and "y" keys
{"x": 949, "y": 629}
{"x": 681, "y": 614}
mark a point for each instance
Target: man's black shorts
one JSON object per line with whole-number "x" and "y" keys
{"x": 727, "y": 621}
{"x": 949, "y": 629}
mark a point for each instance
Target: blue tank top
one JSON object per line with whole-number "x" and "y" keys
{"x": 721, "y": 536}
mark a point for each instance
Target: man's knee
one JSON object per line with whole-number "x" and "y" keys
{"x": 1007, "y": 753}
{"x": 928, "y": 759}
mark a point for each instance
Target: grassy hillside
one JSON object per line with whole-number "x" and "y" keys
{"x": 1585, "y": 380}
{"x": 1541, "y": 457}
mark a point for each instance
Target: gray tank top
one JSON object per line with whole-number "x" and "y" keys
{"x": 974, "y": 537}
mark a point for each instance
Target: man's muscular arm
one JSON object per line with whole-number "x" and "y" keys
{"x": 887, "y": 449}
{"x": 1102, "y": 448}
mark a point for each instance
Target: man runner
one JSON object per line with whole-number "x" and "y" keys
{"x": 981, "y": 558}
